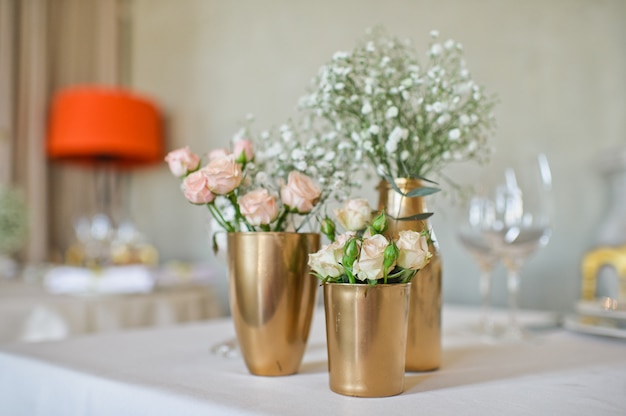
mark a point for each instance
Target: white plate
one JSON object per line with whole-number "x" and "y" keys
{"x": 594, "y": 326}
{"x": 598, "y": 308}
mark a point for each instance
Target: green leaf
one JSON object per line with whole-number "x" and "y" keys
{"x": 215, "y": 245}
{"x": 422, "y": 191}
{"x": 419, "y": 191}
{"x": 420, "y": 216}
{"x": 423, "y": 179}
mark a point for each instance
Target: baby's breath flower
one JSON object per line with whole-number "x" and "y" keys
{"x": 454, "y": 134}
{"x": 431, "y": 112}
{"x": 392, "y": 112}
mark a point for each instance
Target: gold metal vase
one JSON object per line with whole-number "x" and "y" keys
{"x": 366, "y": 338}
{"x": 423, "y": 349}
{"x": 272, "y": 298}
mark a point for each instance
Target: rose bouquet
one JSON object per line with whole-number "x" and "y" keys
{"x": 408, "y": 119}
{"x": 362, "y": 254}
{"x": 238, "y": 202}
{"x": 277, "y": 179}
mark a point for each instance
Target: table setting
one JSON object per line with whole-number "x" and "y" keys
{"x": 54, "y": 302}
{"x": 336, "y": 306}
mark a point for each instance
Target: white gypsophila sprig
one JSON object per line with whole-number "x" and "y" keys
{"x": 407, "y": 119}
{"x": 331, "y": 162}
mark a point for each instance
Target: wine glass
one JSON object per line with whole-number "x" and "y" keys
{"x": 517, "y": 223}
{"x": 471, "y": 218}
{"x": 228, "y": 348}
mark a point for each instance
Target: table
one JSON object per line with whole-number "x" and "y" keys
{"x": 170, "y": 371}
{"x": 29, "y": 313}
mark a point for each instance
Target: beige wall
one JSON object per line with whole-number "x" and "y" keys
{"x": 559, "y": 67}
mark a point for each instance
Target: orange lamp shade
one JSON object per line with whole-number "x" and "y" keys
{"x": 101, "y": 124}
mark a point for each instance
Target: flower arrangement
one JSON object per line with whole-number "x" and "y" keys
{"x": 224, "y": 182}
{"x": 408, "y": 119}
{"x": 363, "y": 254}
{"x": 276, "y": 180}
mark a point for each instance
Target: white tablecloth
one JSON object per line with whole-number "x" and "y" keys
{"x": 29, "y": 313}
{"x": 170, "y": 371}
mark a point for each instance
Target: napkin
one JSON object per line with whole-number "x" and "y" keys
{"x": 115, "y": 279}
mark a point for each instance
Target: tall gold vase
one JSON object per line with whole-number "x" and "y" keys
{"x": 272, "y": 298}
{"x": 423, "y": 349}
{"x": 366, "y": 338}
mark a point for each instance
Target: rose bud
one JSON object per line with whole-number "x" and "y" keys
{"x": 327, "y": 227}
{"x": 243, "y": 151}
{"x": 391, "y": 255}
{"x": 380, "y": 223}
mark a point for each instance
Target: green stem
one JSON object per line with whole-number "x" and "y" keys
{"x": 219, "y": 218}
{"x": 281, "y": 219}
{"x": 238, "y": 217}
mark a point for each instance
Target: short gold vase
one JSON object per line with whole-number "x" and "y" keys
{"x": 423, "y": 349}
{"x": 366, "y": 338}
{"x": 272, "y": 298}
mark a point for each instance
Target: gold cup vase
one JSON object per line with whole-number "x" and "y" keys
{"x": 272, "y": 298}
{"x": 366, "y": 338}
{"x": 423, "y": 349}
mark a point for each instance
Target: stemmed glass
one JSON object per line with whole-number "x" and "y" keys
{"x": 517, "y": 223}
{"x": 228, "y": 348}
{"x": 471, "y": 219}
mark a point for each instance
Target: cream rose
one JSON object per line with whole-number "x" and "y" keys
{"x": 223, "y": 174}
{"x": 413, "y": 248}
{"x": 325, "y": 262}
{"x": 258, "y": 207}
{"x": 301, "y": 193}
{"x": 342, "y": 238}
{"x": 196, "y": 190}
{"x": 354, "y": 214}
{"x": 369, "y": 265}
{"x": 243, "y": 149}
{"x": 181, "y": 161}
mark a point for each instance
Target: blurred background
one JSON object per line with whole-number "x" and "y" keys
{"x": 558, "y": 67}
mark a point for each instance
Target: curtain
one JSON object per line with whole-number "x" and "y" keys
{"x": 46, "y": 45}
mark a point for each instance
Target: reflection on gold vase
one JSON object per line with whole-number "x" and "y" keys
{"x": 423, "y": 349}
{"x": 272, "y": 297}
{"x": 366, "y": 338}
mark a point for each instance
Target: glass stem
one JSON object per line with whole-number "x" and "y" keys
{"x": 513, "y": 282}
{"x": 485, "y": 297}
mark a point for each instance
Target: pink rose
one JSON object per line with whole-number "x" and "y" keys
{"x": 223, "y": 174}
{"x": 196, "y": 189}
{"x": 259, "y": 207}
{"x": 181, "y": 161}
{"x": 301, "y": 193}
{"x": 217, "y": 153}
{"x": 243, "y": 151}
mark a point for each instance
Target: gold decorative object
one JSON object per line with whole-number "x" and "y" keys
{"x": 423, "y": 350}
{"x": 366, "y": 338}
{"x": 272, "y": 297}
{"x": 598, "y": 258}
